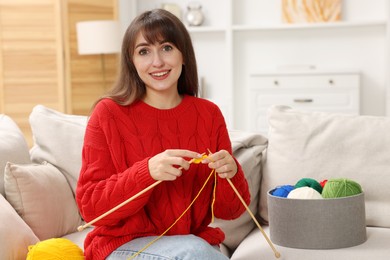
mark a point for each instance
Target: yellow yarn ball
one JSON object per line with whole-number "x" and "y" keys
{"x": 55, "y": 249}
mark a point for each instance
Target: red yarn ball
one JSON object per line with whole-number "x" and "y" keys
{"x": 322, "y": 183}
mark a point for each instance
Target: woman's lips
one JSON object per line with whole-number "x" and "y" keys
{"x": 160, "y": 75}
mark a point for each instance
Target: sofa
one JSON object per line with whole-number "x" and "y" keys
{"x": 37, "y": 184}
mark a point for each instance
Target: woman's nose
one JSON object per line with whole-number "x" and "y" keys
{"x": 157, "y": 60}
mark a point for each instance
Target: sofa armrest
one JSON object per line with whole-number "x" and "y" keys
{"x": 15, "y": 234}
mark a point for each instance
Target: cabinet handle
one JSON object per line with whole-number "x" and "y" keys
{"x": 303, "y": 100}
{"x": 331, "y": 82}
{"x": 276, "y": 83}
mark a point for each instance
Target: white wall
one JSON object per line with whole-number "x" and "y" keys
{"x": 127, "y": 11}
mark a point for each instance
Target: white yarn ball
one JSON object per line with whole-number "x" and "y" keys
{"x": 304, "y": 193}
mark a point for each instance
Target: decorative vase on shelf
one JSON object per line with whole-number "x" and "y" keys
{"x": 194, "y": 15}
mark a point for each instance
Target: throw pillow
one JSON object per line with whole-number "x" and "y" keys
{"x": 15, "y": 235}
{"x": 58, "y": 139}
{"x": 324, "y": 145}
{"x": 13, "y": 146}
{"x": 42, "y": 197}
{"x": 247, "y": 149}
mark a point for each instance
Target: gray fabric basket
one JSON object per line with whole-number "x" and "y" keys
{"x": 317, "y": 224}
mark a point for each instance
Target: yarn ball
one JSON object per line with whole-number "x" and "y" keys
{"x": 55, "y": 249}
{"x": 322, "y": 183}
{"x": 304, "y": 193}
{"x": 336, "y": 188}
{"x": 282, "y": 191}
{"x": 308, "y": 182}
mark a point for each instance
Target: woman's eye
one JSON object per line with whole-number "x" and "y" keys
{"x": 143, "y": 52}
{"x": 167, "y": 48}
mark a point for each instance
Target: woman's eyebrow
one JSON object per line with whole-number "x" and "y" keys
{"x": 142, "y": 44}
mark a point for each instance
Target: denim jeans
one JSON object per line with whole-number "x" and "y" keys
{"x": 180, "y": 247}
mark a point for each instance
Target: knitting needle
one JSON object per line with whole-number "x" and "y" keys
{"x": 81, "y": 228}
{"x": 277, "y": 254}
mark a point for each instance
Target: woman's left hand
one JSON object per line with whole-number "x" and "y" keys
{"x": 223, "y": 163}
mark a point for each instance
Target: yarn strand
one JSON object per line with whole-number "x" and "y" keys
{"x": 174, "y": 223}
{"x": 277, "y": 254}
{"x": 214, "y": 196}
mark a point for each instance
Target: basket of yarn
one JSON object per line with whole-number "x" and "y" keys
{"x": 55, "y": 249}
{"x": 317, "y": 215}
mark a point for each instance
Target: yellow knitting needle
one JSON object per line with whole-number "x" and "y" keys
{"x": 81, "y": 228}
{"x": 277, "y": 254}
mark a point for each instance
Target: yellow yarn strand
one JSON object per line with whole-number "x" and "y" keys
{"x": 214, "y": 196}
{"x": 214, "y": 192}
{"x": 174, "y": 223}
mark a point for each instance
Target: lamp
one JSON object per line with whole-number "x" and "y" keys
{"x": 98, "y": 37}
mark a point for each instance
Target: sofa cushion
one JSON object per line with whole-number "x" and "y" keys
{"x": 15, "y": 234}
{"x": 79, "y": 236}
{"x": 247, "y": 149}
{"x": 255, "y": 246}
{"x": 42, "y": 197}
{"x": 323, "y": 146}
{"x": 58, "y": 139}
{"x": 13, "y": 146}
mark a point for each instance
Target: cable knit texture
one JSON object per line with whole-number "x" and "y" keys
{"x": 118, "y": 143}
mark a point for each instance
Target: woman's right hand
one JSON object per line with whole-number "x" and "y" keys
{"x": 168, "y": 165}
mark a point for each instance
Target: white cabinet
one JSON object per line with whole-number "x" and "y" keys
{"x": 328, "y": 91}
{"x": 240, "y": 37}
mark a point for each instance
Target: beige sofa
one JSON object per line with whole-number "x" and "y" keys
{"x": 37, "y": 191}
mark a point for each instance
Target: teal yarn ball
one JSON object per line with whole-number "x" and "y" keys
{"x": 308, "y": 182}
{"x": 282, "y": 191}
{"x": 337, "y": 188}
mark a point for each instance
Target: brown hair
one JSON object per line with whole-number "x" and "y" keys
{"x": 155, "y": 25}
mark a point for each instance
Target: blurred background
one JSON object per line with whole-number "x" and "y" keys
{"x": 325, "y": 55}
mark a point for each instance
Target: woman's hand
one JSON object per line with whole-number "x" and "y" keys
{"x": 168, "y": 165}
{"x": 223, "y": 163}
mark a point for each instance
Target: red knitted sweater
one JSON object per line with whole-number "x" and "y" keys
{"x": 118, "y": 143}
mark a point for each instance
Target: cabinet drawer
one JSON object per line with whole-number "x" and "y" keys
{"x": 336, "y": 93}
{"x": 310, "y": 81}
{"x": 306, "y": 100}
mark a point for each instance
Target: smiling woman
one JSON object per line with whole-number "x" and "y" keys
{"x": 159, "y": 65}
{"x": 145, "y": 131}
{"x": 148, "y": 35}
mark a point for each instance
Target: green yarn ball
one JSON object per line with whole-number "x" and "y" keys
{"x": 308, "y": 182}
{"x": 337, "y": 188}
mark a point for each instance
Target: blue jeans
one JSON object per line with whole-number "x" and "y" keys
{"x": 180, "y": 247}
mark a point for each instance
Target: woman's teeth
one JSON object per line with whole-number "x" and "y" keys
{"x": 159, "y": 74}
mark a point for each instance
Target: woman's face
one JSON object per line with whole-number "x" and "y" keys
{"x": 159, "y": 65}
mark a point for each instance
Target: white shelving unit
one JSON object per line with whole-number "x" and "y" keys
{"x": 240, "y": 37}
{"x": 340, "y": 24}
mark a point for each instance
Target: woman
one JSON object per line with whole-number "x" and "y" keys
{"x": 147, "y": 129}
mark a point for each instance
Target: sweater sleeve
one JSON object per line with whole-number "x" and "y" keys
{"x": 105, "y": 180}
{"x": 227, "y": 203}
